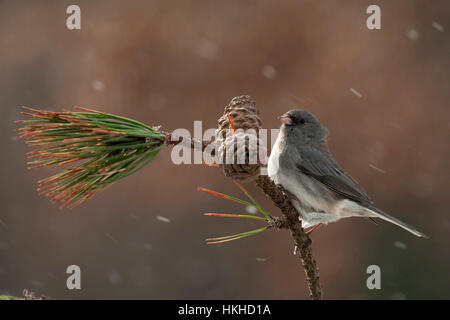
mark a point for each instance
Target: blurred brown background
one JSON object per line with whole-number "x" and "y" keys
{"x": 173, "y": 62}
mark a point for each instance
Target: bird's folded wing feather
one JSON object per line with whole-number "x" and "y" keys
{"x": 319, "y": 164}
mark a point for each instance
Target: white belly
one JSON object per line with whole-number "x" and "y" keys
{"x": 324, "y": 212}
{"x": 290, "y": 183}
{"x": 273, "y": 166}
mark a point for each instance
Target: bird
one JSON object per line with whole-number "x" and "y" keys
{"x": 320, "y": 190}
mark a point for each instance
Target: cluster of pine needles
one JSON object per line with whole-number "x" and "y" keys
{"x": 253, "y": 203}
{"x": 105, "y": 148}
{"x": 102, "y": 149}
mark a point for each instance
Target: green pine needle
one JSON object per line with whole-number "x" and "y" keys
{"x": 235, "y": 236}
{"x": 257, "y": 206}
{"x": 230, "y": 215}
{"x": 268, "y": 218}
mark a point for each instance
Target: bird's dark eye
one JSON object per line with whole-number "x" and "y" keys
{"x": 302, "y": 121}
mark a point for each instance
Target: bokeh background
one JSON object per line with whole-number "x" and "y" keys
{"x": 383, "y": 94}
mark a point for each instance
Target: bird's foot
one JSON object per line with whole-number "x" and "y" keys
{"x": 317, "y": 226}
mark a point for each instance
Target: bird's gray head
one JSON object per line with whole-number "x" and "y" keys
{"x": 303, "y": 125}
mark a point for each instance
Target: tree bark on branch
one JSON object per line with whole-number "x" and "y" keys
{"x": 301, "y": 240}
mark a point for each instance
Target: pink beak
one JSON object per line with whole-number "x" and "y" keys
{"x": 285, "y": 119}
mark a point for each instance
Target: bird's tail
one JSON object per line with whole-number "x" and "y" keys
{"x": 383, "y": 215}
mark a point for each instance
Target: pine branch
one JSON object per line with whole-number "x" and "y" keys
{"x": 110, "y": 148}
{"x": 106, "y": 147}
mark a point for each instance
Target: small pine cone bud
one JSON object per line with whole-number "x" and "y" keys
{"x": 239, "y": 150}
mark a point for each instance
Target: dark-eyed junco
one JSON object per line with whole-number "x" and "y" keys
{"x": 319, "y": 189}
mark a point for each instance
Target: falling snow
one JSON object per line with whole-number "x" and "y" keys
{"x": 438, "y": 26}
{"x": 261, "y": 259}
{"x": 269, "y": 71}
{"x": 163, "y": 219}
{"x": 208, "y": 50}
{"x": 110, "y": 237}
{"x": 412, "y": 34}
{"x": 98, "y": 85}
{"x": 356, "y": 92}
{"x": 400, "y": 245}
{"x": 376, "y": 168}
{"x": 251, "y": 210}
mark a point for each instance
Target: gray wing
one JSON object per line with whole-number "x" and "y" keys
{"x": 320, "y": 164}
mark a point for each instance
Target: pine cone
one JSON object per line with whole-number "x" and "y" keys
{"x": 239, "y": 150}
{"x": 243, "y": 111}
